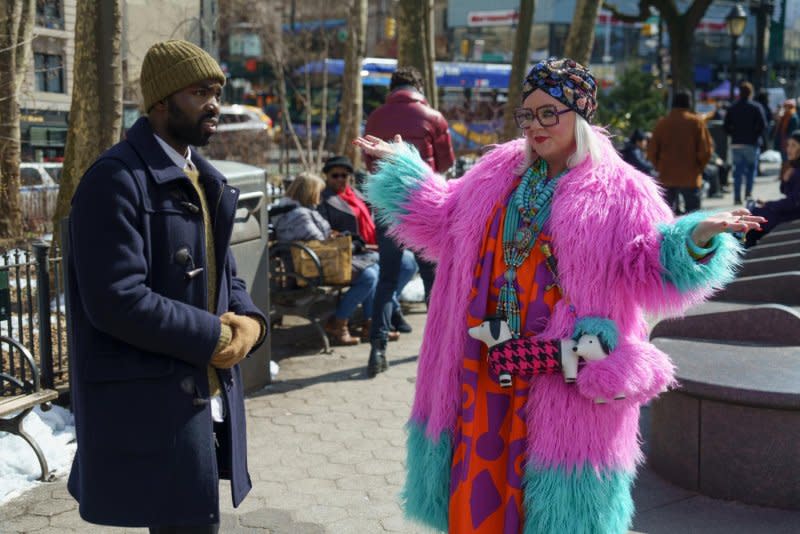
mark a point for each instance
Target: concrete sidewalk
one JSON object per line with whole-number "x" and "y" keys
{"x": 326, "y": 452}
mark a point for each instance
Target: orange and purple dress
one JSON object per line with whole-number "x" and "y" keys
{"x": 489, "y": 453}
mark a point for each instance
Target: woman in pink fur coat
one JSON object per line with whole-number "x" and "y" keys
{"x": 559, "y": 236}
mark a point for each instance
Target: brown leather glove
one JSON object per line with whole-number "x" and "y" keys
{"x": 245, "y": 331}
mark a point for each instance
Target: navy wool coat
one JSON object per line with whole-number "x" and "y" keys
{"x": 142, "y": 340}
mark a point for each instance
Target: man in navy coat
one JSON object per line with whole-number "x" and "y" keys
{"x": 159, "y": 320}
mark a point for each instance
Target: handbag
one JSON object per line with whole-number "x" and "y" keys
{"x": 335, "y": 256}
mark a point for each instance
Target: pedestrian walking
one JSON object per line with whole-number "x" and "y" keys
{"x": 745, "y": 123}
{"x": 159, "y": 320}
{"x": 405, "y": 112}
{"x": 556, "y": 234}
{"x": 680, "y": 148}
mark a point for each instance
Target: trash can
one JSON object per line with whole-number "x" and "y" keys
{"x": 249, "y": 245}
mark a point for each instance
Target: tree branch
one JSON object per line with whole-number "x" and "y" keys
{"x": 644, "y": 12}
{"x": 696, "y": 11}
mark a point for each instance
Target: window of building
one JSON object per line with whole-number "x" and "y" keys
{"x": 49, "y": 73}
{"x": 49, "y": 14}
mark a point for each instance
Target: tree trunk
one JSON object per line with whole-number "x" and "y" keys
{"x": 681, "y": 41}
{"x": 415, "y": 42}
{"x": 16, "y": 31}
{"x": 681, "y": 28}
{"x": 352, "y": 91}
{"x": 580, "y": 38}
{"x": 95, "y": 115}
{"x": 519, "y": 67}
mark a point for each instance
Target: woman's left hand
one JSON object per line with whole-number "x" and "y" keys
{"x": 738, "y": 220}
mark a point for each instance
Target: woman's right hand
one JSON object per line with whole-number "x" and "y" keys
{"x": 377, "y": 147}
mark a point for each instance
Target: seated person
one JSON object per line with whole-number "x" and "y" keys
{"x": 788, "y": 208}
{"x": 304, "y": 223}
{"x": 346, "y": 211}
{"x": 634, "y": 152}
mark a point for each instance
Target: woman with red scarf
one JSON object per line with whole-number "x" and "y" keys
{"x": 347, "y": 212}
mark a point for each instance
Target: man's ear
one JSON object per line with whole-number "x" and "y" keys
{"x": 161, "y": 105}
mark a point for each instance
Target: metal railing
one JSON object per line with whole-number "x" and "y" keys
{"x": 32, "y": 312}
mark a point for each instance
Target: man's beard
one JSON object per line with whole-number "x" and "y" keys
{"x": 181, "y": 128}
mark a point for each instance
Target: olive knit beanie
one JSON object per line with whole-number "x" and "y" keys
{"x": 170, "y": 66}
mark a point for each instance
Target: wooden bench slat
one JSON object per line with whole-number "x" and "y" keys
{"x": 21, "y": 402}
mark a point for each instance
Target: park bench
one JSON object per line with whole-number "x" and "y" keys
{"x": 311, "y": 299}
{"x": 26, "y": 394}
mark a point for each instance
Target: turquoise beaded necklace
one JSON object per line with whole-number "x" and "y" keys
{"x": 526, "y": 215}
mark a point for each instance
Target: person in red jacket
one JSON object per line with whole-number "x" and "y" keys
{"x": 407, "y": 113}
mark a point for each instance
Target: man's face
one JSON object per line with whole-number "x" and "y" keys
{"x": 193, "y": 112}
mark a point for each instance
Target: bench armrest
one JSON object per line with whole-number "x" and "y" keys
{"x": 28, "y": 358}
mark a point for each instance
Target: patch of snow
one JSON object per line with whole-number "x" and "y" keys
{"x": 54, "y": 432}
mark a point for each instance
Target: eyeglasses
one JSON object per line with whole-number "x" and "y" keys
{"x": 338, "y": 175}
{"x": 547, "y": 115}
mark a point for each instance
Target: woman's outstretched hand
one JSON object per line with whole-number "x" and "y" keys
{"x": 377, "y": 147}
{"x": 738, "y": 220}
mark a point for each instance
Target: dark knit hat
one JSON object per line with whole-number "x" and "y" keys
{"x": 567, "y": 81}
{"x": 337, "y": 161}
{"x": 170, "y": 66}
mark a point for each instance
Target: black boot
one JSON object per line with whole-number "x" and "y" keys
{"x": 377, "y": 359}
{"x": 399, "y": 323}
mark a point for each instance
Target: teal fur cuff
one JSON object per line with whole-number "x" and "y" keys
{"x": 397, "y": 177}
{"x": 581, "y": 501}
{"x": 686, "y": 273}
{"x": 605, "y": 329}
{"x": 426, "y": 495}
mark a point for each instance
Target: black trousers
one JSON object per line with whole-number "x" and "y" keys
{"x": 186, "y": 529}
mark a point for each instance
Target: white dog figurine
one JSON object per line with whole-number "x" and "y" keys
{"x": 493, "y": 331}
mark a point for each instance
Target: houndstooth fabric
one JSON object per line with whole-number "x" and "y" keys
{"x": 526, "y": 357}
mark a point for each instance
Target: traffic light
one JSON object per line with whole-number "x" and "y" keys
{"x": 390, "y": 28}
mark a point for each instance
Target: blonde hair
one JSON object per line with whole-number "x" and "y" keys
{"x": 585, "y": 145}
{"x": 306, "y": 189}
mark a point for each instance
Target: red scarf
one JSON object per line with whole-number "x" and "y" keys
{"x": 366, "y": 226}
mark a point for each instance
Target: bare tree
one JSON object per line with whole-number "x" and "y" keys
{"x": 352, "y": 91}
{"x": 580, "y": 38}
{"x": 95, "y": 115}
{"x": 415, "y": 42}
{"x": 681, "y": 28}
{"x": 16, "y": 33}
{"x": 285, "y": 50}
{"x": 519, "y": 66}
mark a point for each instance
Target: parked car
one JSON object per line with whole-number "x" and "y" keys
{"x": 38, "y": 193}
{"x": 244, "y": 134}
{"x": 241, "y": 117}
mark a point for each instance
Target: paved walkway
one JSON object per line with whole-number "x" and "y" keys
{"x": 327, "y": 450}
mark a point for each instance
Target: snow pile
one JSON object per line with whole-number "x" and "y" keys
{"x": 54, "y": 431}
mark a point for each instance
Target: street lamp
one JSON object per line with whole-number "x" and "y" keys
{"x": 735, "y": 21}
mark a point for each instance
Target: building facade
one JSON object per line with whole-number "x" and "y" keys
{"x": 46, "y": 92}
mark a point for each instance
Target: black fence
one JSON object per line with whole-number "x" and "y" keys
{"x": 33, "y": 312}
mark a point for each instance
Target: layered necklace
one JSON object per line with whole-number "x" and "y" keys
{"x": 526, "y": 215}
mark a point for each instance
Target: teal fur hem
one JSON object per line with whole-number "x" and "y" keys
{"x": 605, "y": 329}
{"x": 579, "y": 502}
{"x": 426, "y": 494}
{"x": 686, "y": 273}
{"x": 397, "y": 177}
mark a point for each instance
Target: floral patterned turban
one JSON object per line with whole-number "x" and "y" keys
{"x": 567, "y": 81}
